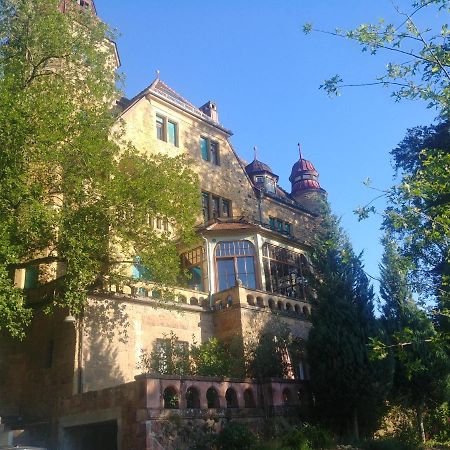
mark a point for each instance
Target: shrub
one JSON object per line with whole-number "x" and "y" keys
{"x": 308, "y": 437}
{"x": 391, "y": 443}
{"x": 236, "y": 436}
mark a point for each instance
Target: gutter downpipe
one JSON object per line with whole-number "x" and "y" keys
{"x": 208, "y": 263}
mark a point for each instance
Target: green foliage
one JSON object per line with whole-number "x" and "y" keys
{"x": 211, "y": 358}
{"x": 437, "y": 423}
{"x": 267, "y": 351}
{"x": 69, "y": 194}
{"x": 348, "y": 385}
{"x": 169, "y": 356}
{"x": 422, "y": 68}
{"x": 236, "y": 436}
{"x": 308, "y": 437}
{"x": 390, "y": 443}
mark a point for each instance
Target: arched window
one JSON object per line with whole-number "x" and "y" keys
{"x": 231, "y": 398}
{"x": 249, "y": 399}
{"x": 271, "y": 303}
{"x": 170, "y": 397}
{"x": 285, "y": 271}
{"x": 235, "y": 260}
{"x": 250, "y": 300}
{"x": 192, "y": 398}
{"x": 260, "y": 302}
{"x": 193, "y": 301}
{"x": 212, "y": 397}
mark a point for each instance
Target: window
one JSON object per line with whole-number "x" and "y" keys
{"x": 172, "y": 133}
{"x": 204, "y": 148}
{"x": 214, "y": 206}
{"x": 280, "y": 225}
{"x": 139, "y": 271}
{"x": 31, "y": 277}
{"x": 284, "y": 271}
{"x": 226, "y": 208}
{"x": 235, "y": 261}
{"x": 192, "y": 264}
{"x": 209, "y": 150}
{"x": 270, "y": 185}
{"x": 166, "y": 130}
{"x": 160, "y": 132}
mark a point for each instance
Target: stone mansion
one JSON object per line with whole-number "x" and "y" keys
{"x": 76, "y": 385}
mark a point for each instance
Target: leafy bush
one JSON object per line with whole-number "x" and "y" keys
{"x": 308, "y": 437}
{"x": 236, "y": 436}
{"x": 437, "y": 424}
{"x": 391, "y": 443}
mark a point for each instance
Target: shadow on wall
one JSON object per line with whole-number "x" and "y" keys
{"x": 108, "y": 318}
{"x": 100, "y": 365}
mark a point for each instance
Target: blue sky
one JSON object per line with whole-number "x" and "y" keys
{"x": 252, "y": 58}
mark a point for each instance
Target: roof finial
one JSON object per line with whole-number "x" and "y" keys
{"x": 300, "y": 151}
{"x": 157, "y": 74}
{"x": 255, "y": 152}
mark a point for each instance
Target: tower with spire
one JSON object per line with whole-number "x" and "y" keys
{"x": 306, "y": 189}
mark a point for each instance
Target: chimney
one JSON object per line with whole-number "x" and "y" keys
{"x": 210, "y": 109}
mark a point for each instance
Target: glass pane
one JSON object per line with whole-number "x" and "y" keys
{"x": 214, "y": 153}
{"x": 246, "y": 271}
{"x": 31, "y": 277}
{"x": 225, "y": 208}
{"x": 205, "y": 206}
{"x": 204, "y": 148}
{"x": 172, "y": 133}
{"x": 215, "y": 207}
{"x": 160, "y": 128}
{"x": 272, "y": 222}
{"x": 225, "y": 272}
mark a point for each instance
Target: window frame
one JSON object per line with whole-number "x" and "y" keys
{"x": 165, "y": 129}
{"x": 208, "y": 207}
{"x": 234, "y": 257}
{"x": 213, "y": 156}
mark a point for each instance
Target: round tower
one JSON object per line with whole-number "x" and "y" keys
{"x": 306, "y": 188}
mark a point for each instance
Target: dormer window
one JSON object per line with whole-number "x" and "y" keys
{"x": 270, "y": 185}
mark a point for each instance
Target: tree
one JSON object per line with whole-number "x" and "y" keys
{"x": 71, "y": 192}
{"x": 423, "y": 66}
{"x": 419, "y": 204}
{"x": 347, "y": 384}
{"x": 268, "y": 351}
{"x": 421, "y": 368}
{"x": 212, "y": 358}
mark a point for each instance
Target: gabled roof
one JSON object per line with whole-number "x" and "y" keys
{"x": 161, "y": 90}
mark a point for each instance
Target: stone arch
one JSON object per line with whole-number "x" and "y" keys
{"x": 182, "y": 299}
{"x": 229, "y": 301}
{"x": 288, "y": 307}
{"x": 251, "y": 300}
{"x": 260, "y": 302}
{"x": 249, "y": 399}
{"x": 231, "y": 398}
{"x": 170, "y": 397}
{"x": 156, "y": 293}
{"x": 212, "y": 398}
{"x": 297, "y": 309}
{"x": 204, "y": 302}
{"x": 192, "y": 398}
{"x": 287, "y": 397}
{"x": 271, "y": 303}
{"x": 193, "y": 301}
{"x": 280, "y": 305}
{"x": 305, "y": 311}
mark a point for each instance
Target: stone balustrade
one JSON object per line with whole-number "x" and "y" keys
{"x": 260, "y": 299}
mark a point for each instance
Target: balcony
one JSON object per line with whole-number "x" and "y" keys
{"x": 240, "y": 296}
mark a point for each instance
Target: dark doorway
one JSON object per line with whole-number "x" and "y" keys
{"x": 93, "y": 436}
